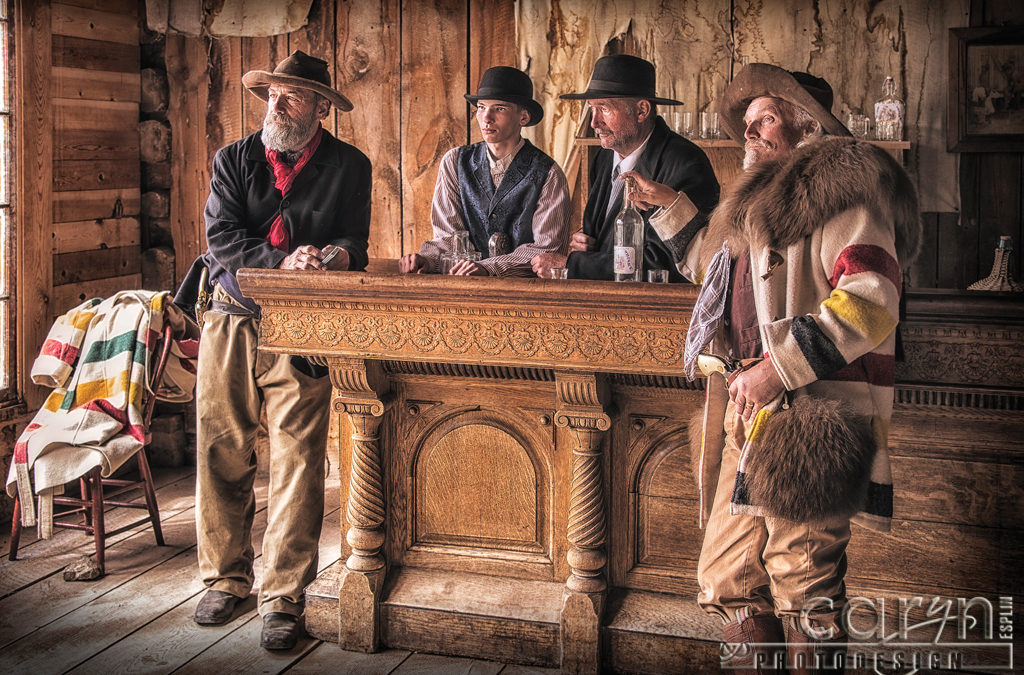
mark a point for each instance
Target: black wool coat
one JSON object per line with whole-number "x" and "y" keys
{"x": 669, "y": 159}
{"x": 329, "y": 203}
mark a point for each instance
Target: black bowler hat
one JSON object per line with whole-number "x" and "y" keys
{"x": 622, "y": 76}
{"x": 505, "y": 83}
{"x": 299, "y": 70}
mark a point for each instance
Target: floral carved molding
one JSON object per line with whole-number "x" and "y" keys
{"x": 633, "y": 342}
{"x": 975, "y": 355}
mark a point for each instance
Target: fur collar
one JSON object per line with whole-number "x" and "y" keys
{"x": 777, "y": 203}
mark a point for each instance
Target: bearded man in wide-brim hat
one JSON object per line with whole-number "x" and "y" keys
{"x": 290, "y": 196}
{"x": 801, "y": 267}
{"x": 506, "y": 195}
{"x": 623, "y": 105}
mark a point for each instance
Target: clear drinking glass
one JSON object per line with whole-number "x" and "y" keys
{"x": 558, "y": 273}
{"x": 686, "y": 124}
{"x": 657, "y": 276}
{"x": 858, "y": 124}
{"x": 709, "y": 128}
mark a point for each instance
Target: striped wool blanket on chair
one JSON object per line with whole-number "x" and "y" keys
{"x": 96, "y": 358}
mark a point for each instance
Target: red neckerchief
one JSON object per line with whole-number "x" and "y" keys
{"x": 284, "y": 176}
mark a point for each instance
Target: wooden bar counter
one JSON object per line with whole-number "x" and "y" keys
{"x": 518, "y": 451}
{"x": 518, "y": 470}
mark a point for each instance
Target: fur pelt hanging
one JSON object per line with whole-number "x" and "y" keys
{"x": 812, "y": 462}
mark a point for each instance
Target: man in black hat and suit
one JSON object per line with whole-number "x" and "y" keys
{"x": 290, "y": 196}
{"x": 622, "y": 101}
{"x": 511, "y": 198}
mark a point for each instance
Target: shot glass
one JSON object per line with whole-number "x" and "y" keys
{"x": 858, "y": 125}
{"x": 686, "y": 124}
{"x": 657, "y": 276}
{"x": 709, "y": 128}
{"x": 558, "y": 273}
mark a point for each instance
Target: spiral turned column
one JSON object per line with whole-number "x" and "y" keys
{"x": 360, "y": 389}
{"x": 581, "y": 409}
{"x": 365, "y": 513}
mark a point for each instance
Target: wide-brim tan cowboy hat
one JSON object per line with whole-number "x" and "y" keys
{"x": 505, "y": 83}
{"x": 299, "y": 70}
{"x": 622, "y": 76}
{"x": 811, "y": 93}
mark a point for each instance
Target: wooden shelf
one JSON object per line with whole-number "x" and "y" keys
{"x": 728, "y": 143}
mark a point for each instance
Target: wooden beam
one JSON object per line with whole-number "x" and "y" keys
{"x": 187, "y": 73}
{"x": 93, "y": 24}
{"x": 34, "y": 119}
{"x": 366, "y": 69}
{"x": 86, "y": 114}
{"x": 74, "y": 52}
{"x": 70, "y": 295}
{"x": 96, "y": 85}
{"x": 91, "y": 204}
{"x": 88, "y": 235}
{"x": 97, "y": 264}
{"x": 79, "y": 144}
{"x": 434, "y": 113}
{"x": 95, "y": 174}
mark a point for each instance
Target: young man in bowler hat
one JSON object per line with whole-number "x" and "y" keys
{"x": 623, "y": 105}
{"x": 293, "y": 197}
{"x": 502, "y": 187}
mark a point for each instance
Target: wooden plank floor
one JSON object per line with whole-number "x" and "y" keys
{"x": 138, "y": 618}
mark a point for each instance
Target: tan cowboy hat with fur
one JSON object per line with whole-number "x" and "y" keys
{"x": 299, "y": 70}
{"x": 811, "y": 93}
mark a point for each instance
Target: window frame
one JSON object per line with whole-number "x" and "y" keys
{"x": 9, "y": 389}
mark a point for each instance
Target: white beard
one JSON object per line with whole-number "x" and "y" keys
{"x": 284, "y": 135}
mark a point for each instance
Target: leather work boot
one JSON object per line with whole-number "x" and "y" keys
{"x": 807, "y": 655}
{"x": 280, "y": 631}
{"x": 215, "y": 608}
{"x": 747, "y": 637}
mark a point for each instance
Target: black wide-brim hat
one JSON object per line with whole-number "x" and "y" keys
{"x": 299, "y": 70}
{"x": 505, "y": 83}
{"x": 811, "y": 93}
{"x": 622, "y": 76}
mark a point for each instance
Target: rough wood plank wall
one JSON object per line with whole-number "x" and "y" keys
{"x": 85, "y": 158}
{"x": 405, "y": 64}
{"x": 698, "y": 46}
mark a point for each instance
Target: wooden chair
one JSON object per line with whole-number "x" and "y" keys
{"x": 94, "y": 499}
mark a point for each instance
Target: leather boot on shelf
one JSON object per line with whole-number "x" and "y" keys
{"x": 756, "y": 644}
{"x": 807, "y": 655}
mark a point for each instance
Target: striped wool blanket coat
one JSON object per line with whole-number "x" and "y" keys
{"x": 828, "y": 229}
{"x": 96, "y": 358}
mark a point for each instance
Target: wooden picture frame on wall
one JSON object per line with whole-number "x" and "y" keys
{"x": 985, "y": 112}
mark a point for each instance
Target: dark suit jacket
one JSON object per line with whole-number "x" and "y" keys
{"x": 329, "y": 203}
{"x": 668, "y": 158}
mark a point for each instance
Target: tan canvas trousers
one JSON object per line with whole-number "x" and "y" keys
{"x": 234, "y": 379}
{"x": 767, "y": 565}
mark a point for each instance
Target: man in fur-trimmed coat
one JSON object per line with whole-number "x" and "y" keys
{"x": 808, "y": 247}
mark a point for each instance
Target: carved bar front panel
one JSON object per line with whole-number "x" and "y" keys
{"x": 490, "y": 420}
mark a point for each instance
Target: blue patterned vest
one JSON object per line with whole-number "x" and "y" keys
{"x": 508, "y": 209}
